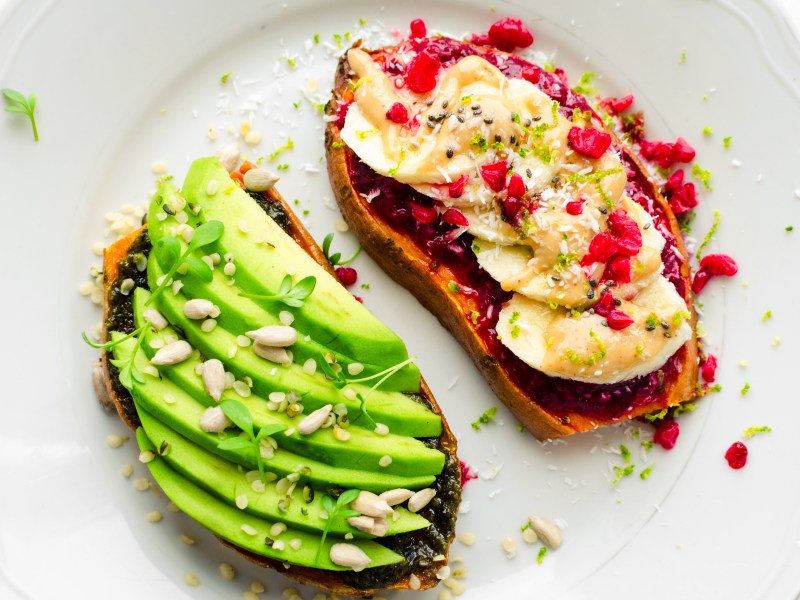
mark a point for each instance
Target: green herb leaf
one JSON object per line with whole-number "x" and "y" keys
{"x": 328, "y": 505}
{"x": 347, "y": 497}
{"x": 168, "y": 252}
{"x": 346, "y": 514}
{"x": 235, "y": 443}
{"x": 206, "y": 234}
{"x": 18, "y": 103}
{"x": 270, "y": 429}
{"x": 199, "y": 268}
{"x": 303, "y": 288}
{"x": 238, "y": 413}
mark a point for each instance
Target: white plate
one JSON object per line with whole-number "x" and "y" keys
{"x": 122, "y": 85}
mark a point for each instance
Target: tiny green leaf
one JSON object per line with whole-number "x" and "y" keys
{"x": 199, "y": 268}
{"x": 238, "y": 413}
{"x": 206, "y": 234}
{"x": 347, "y": 497}
{"x": 327, "y": 504}
{"x": 19, "y": 104}
{"x": 234, "y": 443}
{"x": 168, "y": 251}
{"x": 270, "y": 429}
{"x": 346, "y": 514}
{"x": 304, "y": 287}
{"x": 286, "y": 285}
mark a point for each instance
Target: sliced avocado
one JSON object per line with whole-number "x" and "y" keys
{"x": 173, "y": 406}
{"x": 227, "y": 481}
{"x": 239, "y": 314}
{"x": 400, "y": 413}
{"x": 362, "y": 451}
{"x": 249, "y": 531}
{"x": 265, "y": 253}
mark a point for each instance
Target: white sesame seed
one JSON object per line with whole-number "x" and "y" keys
{"x": 191, "y": 579}
{"x": 257, "y": 587}
{"x": 295, "y": 544}
{"x": 243, "y": 226}
{"x": 385, "y": 460}
{"x": 253, "y": 138}
{"x": 467, "y": 538}
{"x": 154, "y": 516}
{"x": 229, "y": 269}
{"x": 249, "y": 529}
{"x": 186, "y": 539}
{"x": 141, "y": 484}
{"x": 126, "y": 470}
{"x": 310, "y": 366}
{"x": 146, "y": 456}
{"x": 340, "y": 225}
{"x": 227, "y": 571}
{"x": 285, "y": 317}
{"x": 249, "y": 595}
{"x": 208, "y": 325}
{"x": 159, "y": 167}
{"x": 509, "y": 546}
{"x": 115, "y": 441}
{"x": 445, "y": 595}
{"x": 355, "y": 368}
{"x": 381, "y": 429}
{"x": 529, "y": 536}
{"x": 241, "y": 501}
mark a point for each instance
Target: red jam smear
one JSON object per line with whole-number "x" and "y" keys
{"x": 437, "y": 240}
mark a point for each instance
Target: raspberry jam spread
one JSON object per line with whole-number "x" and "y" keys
{"x": 441, "y": 239}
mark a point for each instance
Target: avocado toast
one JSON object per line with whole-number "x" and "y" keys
{"x": 268, "y": 403}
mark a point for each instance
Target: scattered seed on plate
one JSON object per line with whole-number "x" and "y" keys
{"x": 154, "y": 516}
{"x": 227, "y": 571}
{"x": 141, "y": 484}
{"x": 191, "y": 579}
{"x": 115, "y": 441}
{"x": 186, "y": 539}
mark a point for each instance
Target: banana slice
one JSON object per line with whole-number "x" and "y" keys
{"x": 581, "y": 347}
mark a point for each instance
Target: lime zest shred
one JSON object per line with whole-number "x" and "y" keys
{"x": 711, "y": 233}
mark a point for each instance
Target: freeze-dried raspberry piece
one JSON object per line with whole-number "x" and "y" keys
{"x": 494, "y": 175}
{"x": 667, "y": 434}
{"x": 418, "y": 28}
{"x": 626, "y": 233}
{"x": 516, "y": 186}
{"x": 421, "y": 73}
{"x": 589, "y": 141}
{"x": 397, "y": 113}
{"x": 509, "y": 33}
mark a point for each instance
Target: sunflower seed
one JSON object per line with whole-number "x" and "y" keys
{"x": 272, "y": 354}
{"x": 549, "y": 533}
{"x": 274, "y": 335}
{"x": 172, "y": 353}
{"x": 371, "y": 505}
{"x": 213, "y": 420}
{"x": 314, "y": 420}
{"x": 260, "y": 180}
{"x": 396, "y": 496}
{"x": 155, "y": 318}
{"x": 420, "y": 500}
{"x": 214, "y": 378}
{"x": 349, "y": 555}
{"x": 229, "y": 156}
{"x": 197, "y": 308}
{"x": 362, "y": 523}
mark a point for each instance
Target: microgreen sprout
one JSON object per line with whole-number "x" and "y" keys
{"x": 241, "y": 417}
{"x": 340, "y": 381}
{"x": 168, "y": 253}
{"x": 293, "y": 295}
{"x": 335, "y": 259}
{"x": 17, "y": 102}
{"x": 127, "y": 371}
{"x": 336, "y": 509}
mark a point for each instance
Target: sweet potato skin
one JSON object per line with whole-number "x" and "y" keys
{"x": 317, "y": 577}
{"x": 400, "y": 258}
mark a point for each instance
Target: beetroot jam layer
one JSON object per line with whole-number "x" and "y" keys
{"x": 438, "y": 241}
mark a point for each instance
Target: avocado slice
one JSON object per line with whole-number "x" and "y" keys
{"x": 227, "y": 481}
{"x": 170, "y": 404}
{"x": 239, "y": 314}
{"x": 362, "y": 451}
{"x": 400, "y": 413}
{"x": 227, "y": 522}
{"x": 263, "y": 255}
